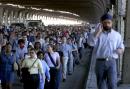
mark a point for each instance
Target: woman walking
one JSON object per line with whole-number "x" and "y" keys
{"x": 34, "y": 66}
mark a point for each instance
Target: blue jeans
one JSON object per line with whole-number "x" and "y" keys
{"x": 106, "y": 73}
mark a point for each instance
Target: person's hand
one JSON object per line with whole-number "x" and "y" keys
{"x": 48, "y": 80}
{"x": 57, "y": 67}
{"x": 99, "y": 29}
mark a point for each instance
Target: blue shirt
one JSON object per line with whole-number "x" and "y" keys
{"x": 65, "y": 48}
{"x": 46, "y": 70}
{"x": 20, "y": 53}
{"x": 106, "y": 44}
{"x": 31, "y": 38}
{"x": 14, "y": 44}
{"x": 6, "y": 67}
{"x": 74, "y": 46}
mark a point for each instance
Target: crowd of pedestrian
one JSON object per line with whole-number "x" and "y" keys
{"x": 44, "y": 57}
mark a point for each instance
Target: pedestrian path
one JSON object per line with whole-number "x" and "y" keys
{"x": 78, "y": 79}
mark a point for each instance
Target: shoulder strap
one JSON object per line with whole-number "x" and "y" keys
{"x": 28, "y": 44}
{"x": 13, "y": 44}
{"x": 51, "y": 59}
{"x": 33, "y": 64}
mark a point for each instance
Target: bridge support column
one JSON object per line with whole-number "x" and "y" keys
{"x": 126, "y": 59}
{"x": 16, "y": 16}
{"x": 1, "y": 15}
{"x": 6, "y": 17}
{"x": 12, "y": 17}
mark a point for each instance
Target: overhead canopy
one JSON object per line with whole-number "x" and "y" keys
{"x": 88, "y": 10}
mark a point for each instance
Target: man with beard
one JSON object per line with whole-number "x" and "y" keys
{"x": 108, "y": 45}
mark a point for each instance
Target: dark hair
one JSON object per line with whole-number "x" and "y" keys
{"x": 30, "y": 46}
{"x": 32, "y": 49}
{"x": 69, "y": 38}
{"x": 52, "y": 46}
{"x": 37, "y": 43}
{"x": 8, "y": 43}
{"x": 21, "y": 41}
{"x": 40, "y": 52}
{"x": 3, "y": 48}
{"x": 46, "y": 37}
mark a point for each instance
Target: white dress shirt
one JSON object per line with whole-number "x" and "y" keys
{"x": 106, "y": 44}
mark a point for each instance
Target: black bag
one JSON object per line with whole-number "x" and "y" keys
{"x": 25, "y": 73}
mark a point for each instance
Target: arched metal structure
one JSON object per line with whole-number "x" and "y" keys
{"x": 88, "y": 10}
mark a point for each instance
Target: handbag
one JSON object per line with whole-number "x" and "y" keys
{"x": 25, "y": 72}
{"x": 15, "y": 66}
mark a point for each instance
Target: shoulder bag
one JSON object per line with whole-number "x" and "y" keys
{"x": 25, "y": 72}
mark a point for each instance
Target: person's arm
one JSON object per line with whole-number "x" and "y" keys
{"x": 23, "y": 63}
{"x": 0, "y": 48}
{"x": 40, "y": 67}
{"x": 19, "y": 58}
{"x": 60, "y": 48}
{"x": 47, "y": 72}
{"x": 98, "y": 31}
{"x": 93, "y": 37}
{"x": 119, "y": 51}
{"x": 30, "y": 43}
{"x": 58, "y": 61}
{"x": 120, "y": 46}
{"x": 74, "y": 49}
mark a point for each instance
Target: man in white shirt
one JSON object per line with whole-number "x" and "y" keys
{"x": 21, "y": 50}
{"x": 40, "y": 39}
{"x": 27, "y": 43}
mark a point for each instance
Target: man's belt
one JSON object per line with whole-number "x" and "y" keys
{"x": 102, "y": 59}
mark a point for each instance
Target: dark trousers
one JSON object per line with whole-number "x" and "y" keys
{"x": 76, "y": 57}
{"x": 85, "y": 45}
{"x": 55, "y": 81}
{"x": 80, "y": 52}
{"x": 6, "y": 85}
{"x": 33, "y": 82}
{"x": 106, "y": 74}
